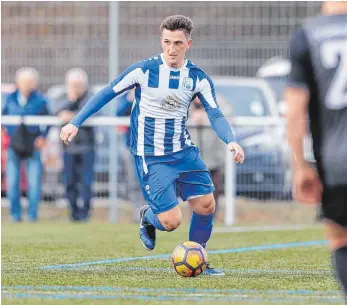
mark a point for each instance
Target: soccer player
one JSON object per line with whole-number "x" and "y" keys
{"x": 318, "y": 86}
{"x": 164, "y": 156}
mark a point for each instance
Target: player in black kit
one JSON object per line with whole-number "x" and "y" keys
{"x": 317, "y": 91}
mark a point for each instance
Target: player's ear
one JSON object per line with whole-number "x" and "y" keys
{"x": 161, "y": 42}
{"x": 190, "y": 42}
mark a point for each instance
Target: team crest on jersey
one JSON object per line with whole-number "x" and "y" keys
{"x": 171, "y": 103}
{"x": 187, "y": 83}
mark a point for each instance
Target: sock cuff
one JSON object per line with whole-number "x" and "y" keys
{"x": 203, "y": 219}
{"x": 153, "y": 219}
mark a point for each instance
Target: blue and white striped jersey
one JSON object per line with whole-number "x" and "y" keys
{"x": 162, "y": 98}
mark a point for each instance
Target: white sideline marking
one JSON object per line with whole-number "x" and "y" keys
{"x": 265, "y": 228}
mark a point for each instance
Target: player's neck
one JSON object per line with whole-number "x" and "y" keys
{"x": 174, "y": 66}
{"x": 334, "y": 8}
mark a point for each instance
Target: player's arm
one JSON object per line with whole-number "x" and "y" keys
{"x": 306, "y": 185}
{"x": 297, "y": 96}
{"x": 126, "y": 81}
{"x": 220, "y": 125}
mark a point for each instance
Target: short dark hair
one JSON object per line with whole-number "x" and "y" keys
{"x": 177, "y": 22}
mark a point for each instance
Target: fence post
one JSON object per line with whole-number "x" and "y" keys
{"x": 230, "y": 189}
{"x": 113, "y": 41}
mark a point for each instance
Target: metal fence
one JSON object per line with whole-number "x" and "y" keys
{"x": 265, "y": 174}
{"x": 230, "y": 38}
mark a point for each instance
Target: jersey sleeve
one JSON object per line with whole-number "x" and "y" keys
{"x": 207, "y": 96}
{"x": 299, "y": 57}
{"x": 126, "y": 81}
{"x": 131, "y": 77}
{"x": 206, "y": 93}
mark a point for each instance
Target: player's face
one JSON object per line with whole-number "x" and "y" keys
{"x": 175, "y": 45}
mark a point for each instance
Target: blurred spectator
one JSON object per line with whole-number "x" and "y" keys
{"x": 124, "y": 106}
{"x": 211, "y": 147}
{"x": 26, "y": 142}
{"x": 79, "y": 156}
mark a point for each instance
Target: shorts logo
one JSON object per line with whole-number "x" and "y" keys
{"x": 147, "y": 187}
{"x": 187, "y": 83}
{"x": 171, "y": 103}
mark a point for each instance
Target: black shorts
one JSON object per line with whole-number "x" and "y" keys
{"x": 334, "y": 204}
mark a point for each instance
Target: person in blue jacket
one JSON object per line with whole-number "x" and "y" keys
{"x": 25, "y": 100}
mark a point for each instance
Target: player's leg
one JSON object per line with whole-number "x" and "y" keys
{"x": 337, "y": 237}
{"x": 196, "y": 186}
{"x": 166, "y": 221}
{"x": 159, "y": 189}
{"x": 201, "y": 223}
{"x": 152, "y": 217}
{"x": 334, "y": 209}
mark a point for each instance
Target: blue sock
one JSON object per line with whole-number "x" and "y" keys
{"x": 152, "y": 219}
{"x": 200, "y": 228}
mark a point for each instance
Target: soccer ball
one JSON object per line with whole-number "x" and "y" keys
{"x": 189, "y": 259}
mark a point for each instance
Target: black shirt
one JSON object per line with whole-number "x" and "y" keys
{"x": 318, "y": 54}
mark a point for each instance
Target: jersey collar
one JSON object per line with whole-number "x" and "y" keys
{"x": 173, "y": 69}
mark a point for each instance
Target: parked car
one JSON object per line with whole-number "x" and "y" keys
{"x": 275, "y": 71}
{"x": 266, "y": 171}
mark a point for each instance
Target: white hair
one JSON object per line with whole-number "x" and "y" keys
{"x": 28, "y": 71}
{"x": 77, "y": 74}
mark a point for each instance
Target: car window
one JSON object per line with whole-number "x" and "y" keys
{"x": 278, "y": 85}
{"x": 238, "y": 100}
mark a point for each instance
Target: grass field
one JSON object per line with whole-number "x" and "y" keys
{"x": 283, "y": 267}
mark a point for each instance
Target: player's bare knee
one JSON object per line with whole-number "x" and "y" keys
{"x": 171, "y": 224}
{"x": 208, "y": 206}
{"x": 204, "y": 205}
{"x": 172, "y": 219}
{"x": 211, "y": 207}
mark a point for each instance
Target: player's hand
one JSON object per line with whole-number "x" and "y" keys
{"x": 68, "y": 132}
{"x": 239, "y": 156}
{"x": 307, "y": 187}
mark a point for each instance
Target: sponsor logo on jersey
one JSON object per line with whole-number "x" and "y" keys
{"x": 171, "y": 103}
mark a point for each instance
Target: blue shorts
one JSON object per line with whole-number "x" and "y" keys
{"x": 163, "y": 178}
